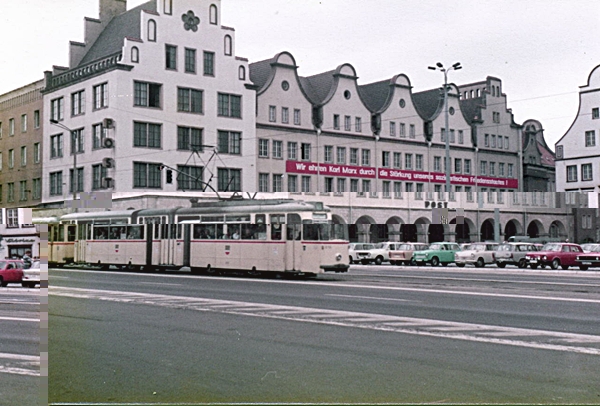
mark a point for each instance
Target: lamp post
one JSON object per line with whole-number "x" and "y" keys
{"x": 439, "y": 66}
{"x": 73, "y": 146}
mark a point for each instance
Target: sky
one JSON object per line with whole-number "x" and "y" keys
{"x": 542, "y": 50}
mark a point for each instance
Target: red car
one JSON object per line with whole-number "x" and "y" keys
{"x": 11, "y": 271}
{"x": 556, "y": 254}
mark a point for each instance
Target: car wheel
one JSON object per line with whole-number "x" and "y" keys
{"x": 460, "y": 265}
{"x": 565, "y": 267}
{"x": 522, "y": 264}
{"x": 379, "y": 260}
{"x": 412, "y": 262}
{"x": 583, "y": 267}
{"x": 480, "y": 263}
{"x": 534, "y": 266}
{"x": 435, "y": 261}
{"x": 500, "y": 264}
{"x": 555, "y": 263}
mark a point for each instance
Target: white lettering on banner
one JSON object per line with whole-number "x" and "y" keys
{"x": 300, "y": 167}
{"x": 348, "y": 171}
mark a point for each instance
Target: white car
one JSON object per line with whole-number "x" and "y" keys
{"x": 381, "y": 252}
{"x": 360, "y": 252}
{"x": 478, "y": 254}
{"x": 31, "y": 276}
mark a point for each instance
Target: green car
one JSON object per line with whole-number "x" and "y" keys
{"x": 437, "y": 253}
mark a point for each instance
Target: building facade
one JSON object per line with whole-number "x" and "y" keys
{"x": 156, "y": 87}
{"x": 21, "y": 112}
{"x": 17, "y": 234}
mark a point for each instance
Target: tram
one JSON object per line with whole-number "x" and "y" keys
{"x": 61, "y": 240}
{"x": 254, "y": 236}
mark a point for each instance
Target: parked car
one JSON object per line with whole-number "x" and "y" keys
{"x": 404, "y": 251}
{"x": 590, "y": 247}
{"x": 513, "y": 253}
{"x": 11, "y": 271}
{"x": 555, "y": 255}
{"x": 589, "y": 258}
{"x": 360, "y": 252}
{"x": 437, "y": 253}
{"x": 381, "y": 252}
{"x": 31, "y": 276}
{"x": 478, "y": 254}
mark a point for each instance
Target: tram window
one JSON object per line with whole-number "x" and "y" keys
{"x": 61, "y": 233}
{"x": 260, "y": 231}
{"x": 204, "y": 231}
{"x": 100, "y": 233}
{"x": 233, "y": 231}
{"x": 71, "y": 232}
{"x": 260, "y": 219}
{"x": 179, "y": 230}
{"x": 117, "y": 233}
{"x": 294, "y": 232}
{"x": 134, "y": 232}
{"x": 276, "y": 232}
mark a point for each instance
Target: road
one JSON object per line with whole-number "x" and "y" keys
{"x": 20, "y": 346}
{"x": 376, "y": 334}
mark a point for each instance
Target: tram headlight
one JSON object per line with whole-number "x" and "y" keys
{"x": 338, "y": 257}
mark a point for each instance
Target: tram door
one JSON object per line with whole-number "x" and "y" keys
{"x": 81, "y": 243}
{"x": 294, "y": 248}
{"x": 171, "y": 245}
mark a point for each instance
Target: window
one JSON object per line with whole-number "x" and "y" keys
{"x": 443, "y": 135}
{"x": 328, "y": 154}
{"x": 146, "y": 94}
{"x": 11, "y": 192}
{"x": 190, "y": 60}
{"x": 595, "y": 113}
{"x": 37, "y": 152}
{"x": 501, "y": 169}
{"x": 306, "y": 184}
{"x": 461, "y": 137}
{"x": 408, "y": 186}
{"x": 437, "y": 164}
{"x": 213, "y": 15}
{"x": 100, "y": 96}
{"x": 56, "y": 112}
{"x": 347, "y": 123}
{"x": 366, "y": 157}
{"x": 11, "y": 126}
{"x": 590, "y": 138}
{"x": 277, "y": 149}
{"x": 353, "y": 156}
{"x": 467, "y": 166}
{"x": 487, "y": 140}
{"x": 392, "y": 129}
{"x": 98, "y": 136}
{"x": 230, "y": 142}
{"x": 292, "y": 148}
{"x": 209, "y": 63}
{"x": 229, "y": 105}
{"x": 242, "y": 73}
{"x": 366, "y": 186}
{"x": 277, "y": 182}
{"x": 23, "y": 123}
{"x": 78, "y": 178}
{"x": 500, "y": 141}
{"x": 483, "y": 168}
{"x": 292, "y": 183}
{"x": 452, "y": 135}
{"x": 98, "y": 176}
{"x": 297, "y": 117}
{"x": 402, "y": 130}
{"x": 385, "y": 159}
{"x": 190, "y": 177}
{"x": 398, "y": 189}
{"x": 135, "y": 55}
{"x": 77, "y": 141}
{"x": 492, "y": 169}
{"x": 506, "y": 142}
{"x": 189, "y": 139}
{"x": 457, "y": 165}
{"x": 168, "y": 6}
{"x": 493, "y": 144}
{"x": 263, "y": 148}
{"x": 358, "y": 124}
{"x": 285, "y": 115}
{"x": 230, "y": 180}
{"x": 419, "y": 191}
{"x": 37, "y": 188}
{"x": 189, "y": 100}
{"x": 272, "y": 114}
{"x": 152, "y": 30}
{"x": 228, "y": 45}
{"x": 146, "y": 175}
{"x": 11, "y": 158}
{"x": 408, "y": 162}
{"x": 78, "y": 103}
{"x": 341, "y": 155}
{"x": 0, "y": 164}
{"x": 586, "y": 172}
{"x": 336, "y": 121}
{"x": 56, "y": 146}
{"x": 56, "y": 183}
{"x": 412, "y": 132}
{"x": 36, "y": 121}
{"x": 397, "y": 160}
{"x": 305, "y": 152}
{"x": 23, "y": 156}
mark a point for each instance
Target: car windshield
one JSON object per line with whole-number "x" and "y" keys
{"x": 552, "y": 247}
{"x": 436, "y": 247}
{"x": 380, "y": 245}
{"x": 405, "y": 247}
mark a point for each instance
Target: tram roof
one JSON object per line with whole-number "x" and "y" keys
{"x": 254, "y": 206}
{"x": 98, "y": 215}
{"x": 45, "y": 220}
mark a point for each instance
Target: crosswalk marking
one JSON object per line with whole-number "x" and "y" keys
{"x": 541, "y": 339}
{"x": 19, "y": 364}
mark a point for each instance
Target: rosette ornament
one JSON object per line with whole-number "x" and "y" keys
{"x": 190, "y": 21}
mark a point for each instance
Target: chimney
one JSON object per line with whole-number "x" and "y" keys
{"x": 110, "y": 9}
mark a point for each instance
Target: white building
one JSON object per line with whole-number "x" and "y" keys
{"x": 17, "y": 234}
{"x": 156, "y": 85}
{"x": 578, "y": 151}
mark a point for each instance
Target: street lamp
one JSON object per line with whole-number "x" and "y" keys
{"x": 439, "y": 66}
{"x": 73, "y": 146}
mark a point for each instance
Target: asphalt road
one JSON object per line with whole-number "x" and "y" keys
{"x": 377, "y": 334}
{"x": 20, "y": 381}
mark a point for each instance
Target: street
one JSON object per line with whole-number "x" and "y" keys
{"x": 376, "y": 334}
{"x": 20, "y": 346}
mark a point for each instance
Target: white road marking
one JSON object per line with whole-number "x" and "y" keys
{"x": 520, "y": 337}
{"x": 372, "y": 297}
{"x": 19, "y": 319}
{"x": 20, "y": 364}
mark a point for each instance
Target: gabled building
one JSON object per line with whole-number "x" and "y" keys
{"x": 155, "y": 85}
{"x": 538, "y": 159}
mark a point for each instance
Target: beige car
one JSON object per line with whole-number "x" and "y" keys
{"x": 478, "y": 254}
{"x": 403, "y": 253}
{"x": 513, "y": 253}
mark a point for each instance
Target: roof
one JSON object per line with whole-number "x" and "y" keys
{"x": 318, "y": 87}
{"x": 261, "y": 71}
{"x": 547, "y": 157}
{"x": 428, "y": 103}
{"x": 111, "y": 39}
{"x": 471, "y": 108}
{"x": 376, "y": 95}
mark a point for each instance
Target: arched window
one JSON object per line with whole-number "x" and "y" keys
{"x": 227, "y": 45}
{"x": 498, "y": 91}
{"x": 493, "y": 90}
{"x": 478, "y": 93}
{"x": 242, "y": 73}
{"x": 213, "y": 14}
{"x": 168, "y": 6}
{"x": 152, "y": 30}
{"x": 471, "y": 95}
{"x": 135, "y": 54}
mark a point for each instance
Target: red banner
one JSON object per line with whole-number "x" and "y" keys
{"x": 312, "y": 168}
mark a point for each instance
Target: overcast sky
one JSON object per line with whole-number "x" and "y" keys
{"x": 543, "y": 51}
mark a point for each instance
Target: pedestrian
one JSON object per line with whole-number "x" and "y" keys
{"x": 27, "y": 259}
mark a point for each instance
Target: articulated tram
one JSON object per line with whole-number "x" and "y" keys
{"x": 256, "y": 236}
